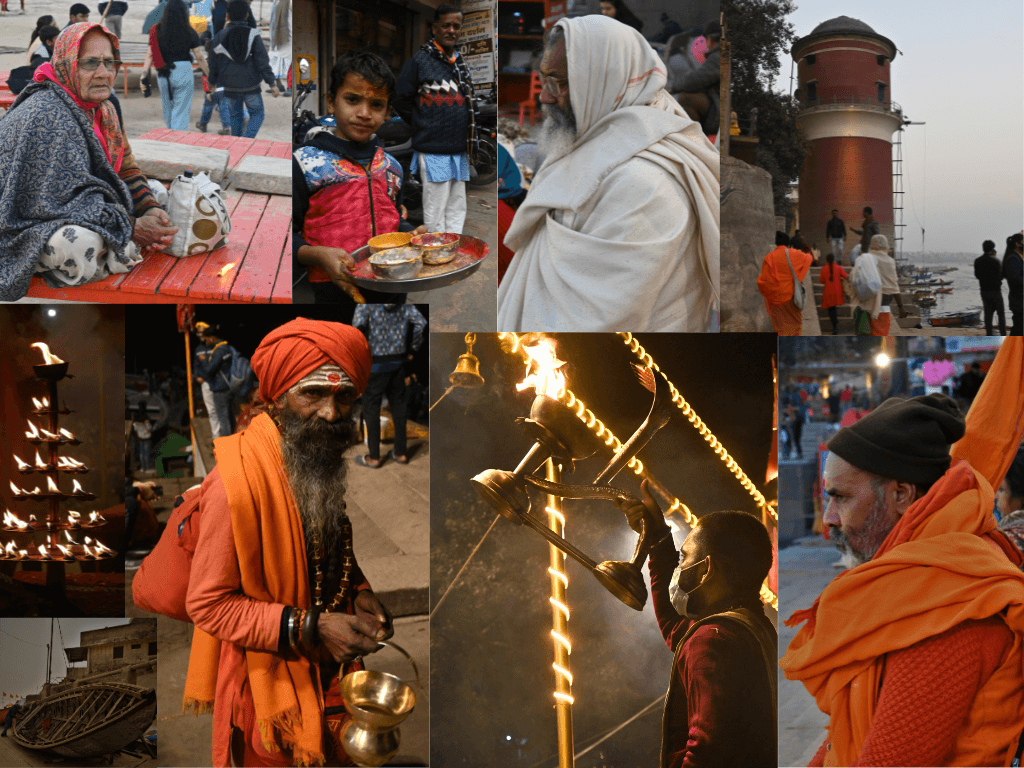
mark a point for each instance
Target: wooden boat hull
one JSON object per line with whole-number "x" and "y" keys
{"x": 87, "y": 721}
{"x": 952, "y": 321}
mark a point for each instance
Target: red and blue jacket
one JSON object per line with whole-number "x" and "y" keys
{"x": 343, "y": 193}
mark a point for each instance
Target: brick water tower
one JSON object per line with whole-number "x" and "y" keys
{"x": 847, "y": 118}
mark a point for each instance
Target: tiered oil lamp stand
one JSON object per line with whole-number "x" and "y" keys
{"x": 54, "y": 553}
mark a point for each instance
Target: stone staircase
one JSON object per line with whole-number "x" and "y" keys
{"x": 845, "y": 311}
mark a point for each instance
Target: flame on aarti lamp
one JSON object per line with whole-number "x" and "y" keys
{"x": 36, "y": 404}
{"x": 51, "y": 486}
{"x": 225, "y": 269}
{"x": 67, "y": 434}
{"x": 48, "y": 357}
{"x": 542, "y": 370}
{"x": 96, "y": 517}
{"x": 66, "y": 552}
{"x": 15, "y": 489}
{"x": 47, "y": 434}
{"x": 43, "y": 553}
{"x": 39, "y": 460}
{"x": 32, "y": 432}
{"x": 76, "y": 487}
{"x": 10, "y": 520}
{"x": 102, "y": 550}
{"x": 74, "y": 517}
{"x": 21, "y": 464}
{"x": 10, "y": 550}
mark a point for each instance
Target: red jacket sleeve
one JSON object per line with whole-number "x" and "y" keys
{"x": 927, "y": 692}
{"x": 215, "y": 600}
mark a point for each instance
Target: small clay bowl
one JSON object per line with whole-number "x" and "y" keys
{"x": 396, "y": 263}
{"x": 437, "y": 247}
{"x": 390, "y": 240}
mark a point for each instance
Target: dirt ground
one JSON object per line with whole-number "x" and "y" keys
{"x": 140, "y": 114}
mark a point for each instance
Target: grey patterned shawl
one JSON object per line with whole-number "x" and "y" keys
{"x": 53, "y": 173}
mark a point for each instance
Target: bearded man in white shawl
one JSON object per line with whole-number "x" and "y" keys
{"x": 620, "y": 228}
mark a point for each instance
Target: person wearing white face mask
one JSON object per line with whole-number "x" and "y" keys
{"x": 721, "y": 706}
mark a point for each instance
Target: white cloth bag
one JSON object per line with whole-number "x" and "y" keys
{"x": 196, "y": 208}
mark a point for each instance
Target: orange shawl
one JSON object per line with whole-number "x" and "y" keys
{"x": 775, "y": 281}
{"x": 935, "y": 570}
{"x": 271, "y": 551}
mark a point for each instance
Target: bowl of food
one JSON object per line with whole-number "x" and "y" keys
{"x": 437, "y": 247}
{"x": 390, "y": 240}
{"x": 396, "y": 263}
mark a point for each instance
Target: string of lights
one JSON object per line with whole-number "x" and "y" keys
{"x": 700, "y": 426}
{"x": 567, "y": 397}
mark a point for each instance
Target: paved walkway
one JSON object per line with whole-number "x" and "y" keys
{"x": 805, "y": 569}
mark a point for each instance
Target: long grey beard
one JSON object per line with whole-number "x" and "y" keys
{"x": 313, "y": 452}
{"x": 558, "y": 133}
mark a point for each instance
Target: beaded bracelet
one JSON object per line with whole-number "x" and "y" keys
{"x": 294, "y": 622}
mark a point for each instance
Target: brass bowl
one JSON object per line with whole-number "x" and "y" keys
{"x": 437, "y": 247}
{"x": 396, "y": 263}
{"x": 390, "y": 240}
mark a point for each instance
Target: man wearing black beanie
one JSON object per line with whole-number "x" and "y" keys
{"x": 915, "y": 653}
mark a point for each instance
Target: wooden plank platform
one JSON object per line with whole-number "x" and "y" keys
{"x": 254, "y": 267}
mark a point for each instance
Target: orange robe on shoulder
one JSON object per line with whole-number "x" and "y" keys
{"x": 776, "y": 285}
{"x": 939, "y": 567}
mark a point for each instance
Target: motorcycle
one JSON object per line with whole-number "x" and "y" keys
{"x": 483, "y": 149}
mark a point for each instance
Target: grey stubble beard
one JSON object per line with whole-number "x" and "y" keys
{"x": 558, "y": 132}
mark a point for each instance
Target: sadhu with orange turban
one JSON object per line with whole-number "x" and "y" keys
{"x": 273, "y": 626}
{"x": 917, "y": 653}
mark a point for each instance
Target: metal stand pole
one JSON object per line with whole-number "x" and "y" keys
{"x": 559, "y": 632}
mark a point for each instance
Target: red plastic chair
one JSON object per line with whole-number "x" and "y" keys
{"x": 530, "y": 104}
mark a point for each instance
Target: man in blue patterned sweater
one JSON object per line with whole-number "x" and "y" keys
{"x": 435, "y": 96}
{"x": 385, "y": 326}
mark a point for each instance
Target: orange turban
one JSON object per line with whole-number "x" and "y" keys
{"x": 300, "y": 346}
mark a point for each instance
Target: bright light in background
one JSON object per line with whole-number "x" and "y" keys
{"x": 51, "y": 312}
{"x": 882, "y": 360}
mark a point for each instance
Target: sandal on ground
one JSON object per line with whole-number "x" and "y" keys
{"x": 399, "y": 459}
{"x": 362, "y": 461}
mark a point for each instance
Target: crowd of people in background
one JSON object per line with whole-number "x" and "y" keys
{"x": 990, "y": 272}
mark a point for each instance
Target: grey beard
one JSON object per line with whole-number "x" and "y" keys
{"x": 868, "y": 539}
{"x": 558, "y": 133}
{"x": 313, "y": 452}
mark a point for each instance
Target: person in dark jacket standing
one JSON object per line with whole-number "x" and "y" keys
{"x": 720, "y": 708}
{"x": 240, "y": 63}
{"x": 216, "y": 371}
{"x": 989, "y": 272}
{"x": 835, "y": 233}
{"x": 435, "y": 96}
{"x": 698, "y": 90}
{"x": 868, "y": 230}
{"x": 386, "y": 327}
{"x": 1013, "y": 272}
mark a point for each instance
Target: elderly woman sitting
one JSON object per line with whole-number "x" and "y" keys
{"x": 74, "y": 206}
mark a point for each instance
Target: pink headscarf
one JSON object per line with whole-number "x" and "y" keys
{"x": 62, "y": 69}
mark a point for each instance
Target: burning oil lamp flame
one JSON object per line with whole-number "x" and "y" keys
{"x": 47, "y": 434}
{"x": 35, "y": 492}
{"x": 11, "y": 521}
{"x": 227, "y": 268}
{"x": 67, "y": 434}
{"x": 547, "y": 379}
{"x": 10, "y": 550}
{"x": 51, "y": 486}
{"x": 36, "y": 404}
{"x": 66, "y": 552}
{"x": 102, "y": 550}
{"x": 74, "y": 518}
{"x": 39, "y": 460}
{"x": 32, "y": 433}
{"x": 48, "y": 357}
{"x": 88, "y": 553}
{"x": 16, "y": 490}
{"x": 21, "y": 464}
{"x": 77, "y": 488}
{"x": 95, "y": 517}
{"x": 43, "y": 553}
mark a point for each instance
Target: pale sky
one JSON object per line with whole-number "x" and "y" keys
{"x": 23, "y": 651}
{"x": 962, "y": 73}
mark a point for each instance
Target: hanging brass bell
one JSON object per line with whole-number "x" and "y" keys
{"x": 467, "y": 371}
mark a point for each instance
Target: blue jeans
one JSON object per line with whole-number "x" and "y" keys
{"x": 210, "y": 101}
{"x": 176, "y": 95}
{"x": 225, "y": 414}
{"x": 142, "y": 453}
{"x": 236, "y": 103}
{"x": 837, "y": 249}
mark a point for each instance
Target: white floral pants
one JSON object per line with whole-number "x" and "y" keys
{"x": 75, "y": 255}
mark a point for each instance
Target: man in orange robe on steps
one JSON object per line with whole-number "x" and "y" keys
{"x": 776, "y": 285}
{"x": 278, "y": 600}
{"x": 917, "y": 654}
